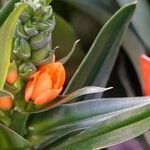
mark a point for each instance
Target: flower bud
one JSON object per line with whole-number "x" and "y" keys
{"x": 27, "y": 69}
{"x": 30, "y": 10}
{"x": 47, "y": 25}
{"x": 12, "y": 75}
{"x": 40, "y": 11}
{"x": 20, "y": 31}
{"x": 39, "y": 41}
{"x": 22, "y": 49}
{"x": 31, "y": 29}
{"x": 49, "y": 59}
{"x": 40, "y": 54}
{"x": 6, "y": 102}
{"x": 48, "y": 13}
{"x": 24, "y": 17}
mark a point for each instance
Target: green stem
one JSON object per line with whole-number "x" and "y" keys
{"x": 19, "y": 121}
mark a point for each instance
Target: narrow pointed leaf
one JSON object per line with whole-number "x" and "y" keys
{"x": 68, "y": 113}
{"x": 87, "y": 115}
{"x": 109, "y": 128}
{"x": 99, "y": 61}
{"x": 6, "y": 36}
{"x": 67, "y": 98}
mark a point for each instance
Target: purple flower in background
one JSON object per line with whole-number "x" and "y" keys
{"x": 129, "y": 145}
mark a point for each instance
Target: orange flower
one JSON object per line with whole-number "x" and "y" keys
{"x": 6, "y": 102}
{"x": 46, "y": 84}
{"x": 145, "y": 72}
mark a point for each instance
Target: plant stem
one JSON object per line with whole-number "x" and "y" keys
{"x": 19, "y": 121}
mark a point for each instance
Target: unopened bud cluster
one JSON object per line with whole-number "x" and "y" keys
{"x": 32, "y": 39}
{"x": 31, "y": 46}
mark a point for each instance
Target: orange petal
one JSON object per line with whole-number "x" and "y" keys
{"x": 57, "y": 72}
{"x": 52, "y": 67}
{"x": 42, "y": 84}
{"x": 12, "y": 77}
{"x": 6, "y": 102}
{"x": 30, "y": 86}
{"x": 145, "y": 71}
{"x": 47, "y": 96}
{"x": 59, "y": 77}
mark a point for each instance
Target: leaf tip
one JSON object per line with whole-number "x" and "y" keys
{"x": 109, "y": 88}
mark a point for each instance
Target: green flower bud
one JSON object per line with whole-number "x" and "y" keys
{"x": 27, "y": 69}
{"x": 30, "y": 10}
{"x": 39, "y": 41}
{"x": 22, "y": 49}
{"x": 43, "y": 26}
{"x": 40, "y": 11}
{"x": 20, "y": 31}
{"x": 40, "y": 54}
{"x": 49, "y": 59}
{"x": 49, "y": 12}
{"x": 24, "y": 17}
{"x": 31, "y": 29}
{"x": 47, "y": 25}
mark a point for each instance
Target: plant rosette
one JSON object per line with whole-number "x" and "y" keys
{"x": 35, "y": 108}
{"x": 32, "y": 80}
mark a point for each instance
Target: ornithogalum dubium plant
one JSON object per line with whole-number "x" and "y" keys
{"x": 51, "y": 90}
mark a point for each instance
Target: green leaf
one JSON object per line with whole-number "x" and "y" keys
{"x": 107, "y": 129}
{"x": 6, "y": 36}
{"x": 11, "y": 140}
{"x": 141, "y": 20}
{"x": 67, "y": 98}
{"x": 68, "y": 113}
{"x": 86, "y": 116}
{"x": 98, "y": 63}
{"x": 6, "y": 10}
